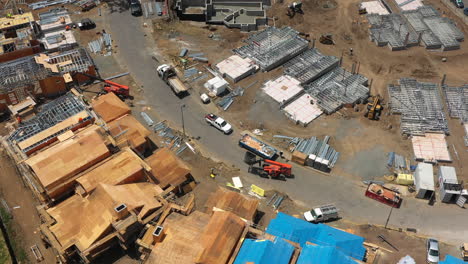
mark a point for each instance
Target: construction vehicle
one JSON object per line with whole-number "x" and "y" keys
{"x": 169, "y": 75}
{"x": 464, "y": 251}
{"x": 271, "y": 169}
{"x": 374, "y": 108}
{"x": 327, "y": 39}
{"x": 295, "y": 7}
{"x": 321, "y": 214}
{"x": 383, "y": 194}
{"x": 122, "y": 91}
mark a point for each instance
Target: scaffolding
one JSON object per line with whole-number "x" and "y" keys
{"x": 49, "y": 115}
{"x": 310, "y": 65}
{"x": 336, "y": 88}
{"x": 272, "y": 47}
{"x": 20, "y": 72}
{"x": 457, "y": 101}
{"x": 420, "y": 107}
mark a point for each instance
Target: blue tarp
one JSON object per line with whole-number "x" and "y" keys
{"x": 300, "y": 231}
{"x": 312, "y": 254}
{"x": 264, "y": 252}
{"x": 452, "y": 260}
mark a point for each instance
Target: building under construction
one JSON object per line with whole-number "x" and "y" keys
{"x": 106, "y": 172}
{"x": 419, "y": 105}
{"x": 272, "y": 47}
{"x": 42, "y": 75}
{"x": 18, "y": 37}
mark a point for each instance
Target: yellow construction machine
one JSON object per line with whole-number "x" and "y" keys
{"x": 374, "y": 108}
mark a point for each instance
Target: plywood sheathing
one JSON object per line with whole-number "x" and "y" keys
{"x": 122, "y": 168}
{"x": 127, "y": 128}
{"x": 60, "y": 162}
{"x": 109, "y": 107}
{"x": 237, "y": 203}
{"x": 181, "y": 244}
{"x": 167, "y": 168}
{"x": 82, "y": 221}
{"x": 220, "y": 238}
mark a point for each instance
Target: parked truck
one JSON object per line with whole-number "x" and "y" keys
{"x": 257, "y": 147}
{"x": 169, "y": 75}
{"x": 384, "y": 195}
{"x": 321, "y": 214}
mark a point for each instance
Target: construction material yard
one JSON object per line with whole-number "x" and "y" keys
{"x": 295, "y": 91}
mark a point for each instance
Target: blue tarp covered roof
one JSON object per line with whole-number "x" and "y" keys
{"x": 452, "y": 260}
{"x": 264, "y": 252}
{"x": 300, "y": 231}
{"x": 312, "y": 254}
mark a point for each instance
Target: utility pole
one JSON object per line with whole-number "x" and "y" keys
{"x": 182, "y": 114}
{"x": 388, "y": 218}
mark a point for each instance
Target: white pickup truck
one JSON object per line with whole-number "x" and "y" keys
{"x": 219, "y": 123}
{"x": 321, "y": 214}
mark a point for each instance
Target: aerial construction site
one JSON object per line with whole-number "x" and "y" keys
{"x": 216, "y": 132}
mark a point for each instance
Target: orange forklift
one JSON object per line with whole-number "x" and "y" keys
{"x": 272, "y": 169}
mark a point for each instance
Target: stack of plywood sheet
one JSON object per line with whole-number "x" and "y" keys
{"x": 167, "y": 168}
{"x": 124, "y": 167}
{"x": 234, "y": 202}
{"x": 220, "y": 237}
{"x": 54, "y": 167}
{"x": 82, "y": 221}
{"x": 127, "y": 128}
{"x": 109, "y": 107}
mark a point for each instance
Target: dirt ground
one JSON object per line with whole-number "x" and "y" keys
{"x": 22, "y": 205}
{"x": 352, "y": 135}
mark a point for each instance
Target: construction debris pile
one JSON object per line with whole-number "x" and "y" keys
{"x": 337, "y": 88}
{"x": 420, "y": 107}
{"x": 423, "y": 25}
{"x": 310, "y": 65}
{"x": 312, "y": 152}
{"x": 272, "y": 47}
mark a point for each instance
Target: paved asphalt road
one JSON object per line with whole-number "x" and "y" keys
{"x": 446, "y": 222}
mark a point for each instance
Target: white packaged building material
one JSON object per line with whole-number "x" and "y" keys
{"x": 424, "y": 180}
{"x": 217, "y": 85}
{"x": 236, "y": 68}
